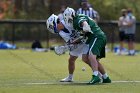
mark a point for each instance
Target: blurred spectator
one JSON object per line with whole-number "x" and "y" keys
{"x": 60, "y": 15}
{"x": 37, "y": 47}
{"x": 6, "y": 45}
{"x": 122, "y": 27}
{"x": 88, "y": 10}
{"x": 130, "y": 31}
{"x": 36, "y": 44}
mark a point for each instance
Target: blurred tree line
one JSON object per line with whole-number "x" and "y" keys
{"x": 24, "y": 9}
{"x": 110, "y": 9}
{"x": 41, "y": 9}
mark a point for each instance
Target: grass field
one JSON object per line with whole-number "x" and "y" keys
{"x": 25, "y": 71}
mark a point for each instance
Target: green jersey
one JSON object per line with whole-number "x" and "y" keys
{"x": 77, "y": 24}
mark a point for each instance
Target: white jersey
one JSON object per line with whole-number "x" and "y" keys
{"x": 121, "y": 23}
{"x": 131, "y": 29}
{"x": 68, "y": 33}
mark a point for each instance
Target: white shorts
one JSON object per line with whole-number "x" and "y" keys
{"x": 81, "y": 49}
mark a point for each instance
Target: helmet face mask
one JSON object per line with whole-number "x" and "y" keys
{"x": 52, "y": 23}
{"x": 70, "y": 21}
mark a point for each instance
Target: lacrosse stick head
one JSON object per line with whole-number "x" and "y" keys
{"x": 59, "y": 50}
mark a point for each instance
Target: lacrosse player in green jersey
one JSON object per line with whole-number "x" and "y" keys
{"x": 95, "y": 38}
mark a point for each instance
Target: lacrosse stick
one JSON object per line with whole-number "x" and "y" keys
{"x": 59, "y": 50}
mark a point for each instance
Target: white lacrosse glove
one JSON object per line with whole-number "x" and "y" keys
{"x": 86, "y": 27}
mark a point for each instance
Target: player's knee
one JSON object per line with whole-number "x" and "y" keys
{"x": 85, "y": 59}
{"x": 93, "y": 57}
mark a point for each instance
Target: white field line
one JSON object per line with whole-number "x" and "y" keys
{"x": 125, "y": 81}
{"x": 51, "y": 83}
{"x": 63, "y": 83}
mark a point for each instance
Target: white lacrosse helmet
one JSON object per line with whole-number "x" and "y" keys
{"x": 52, "y": 23}
{"x": 68, "y": 14}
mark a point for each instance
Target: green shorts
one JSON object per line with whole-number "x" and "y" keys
{"x": 97, "y": 46}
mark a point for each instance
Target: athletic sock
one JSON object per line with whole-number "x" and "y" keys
{"x": 70, "y": 76}
{"x": 95, "y": 73}
{"x": 105, "y": 76}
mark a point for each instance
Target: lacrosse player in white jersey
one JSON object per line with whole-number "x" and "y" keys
{"x": 54, "y": 25}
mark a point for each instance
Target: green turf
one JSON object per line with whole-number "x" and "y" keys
{"x": 25, "y": 71}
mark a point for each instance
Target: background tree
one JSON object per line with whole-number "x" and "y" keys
{"x": 110, "y": 9}
{"x": 41, "y": 9}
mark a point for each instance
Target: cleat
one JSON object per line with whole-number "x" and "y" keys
{"x": 107, "y": 80}
{"x": 94, "y": 80}
{"x": 67, "y": 79}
